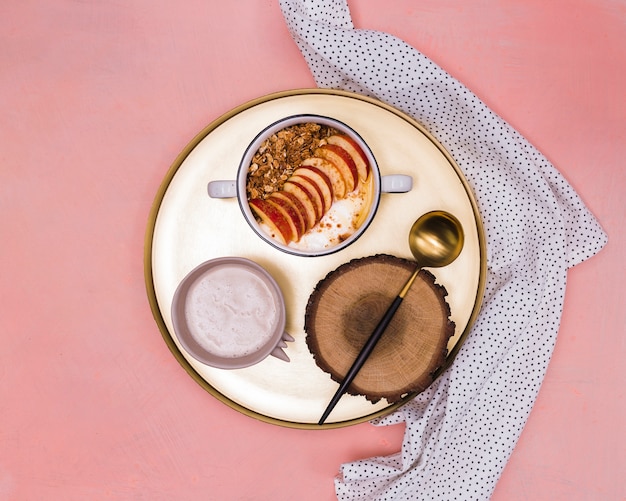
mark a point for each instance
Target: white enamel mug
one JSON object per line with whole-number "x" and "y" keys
{"x": 315, "y": 244}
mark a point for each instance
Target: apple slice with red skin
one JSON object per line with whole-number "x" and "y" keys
{"x": 314, "y": 190}
{"x": 290, "y": 204}
{"x": 274, "y": 218}
{"x": 356, "y": 152}
{"x": 320, "y": 179}
{"x": 291, "y": 215}
{"x": 305, "y": 197}
{"x": 299, "y": 205}
{"x": 342, "y": 159}
{"x": 331, "y": 171}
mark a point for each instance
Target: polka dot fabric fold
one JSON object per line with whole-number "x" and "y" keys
{"x": 461, "y": 431}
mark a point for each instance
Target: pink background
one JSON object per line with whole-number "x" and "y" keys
{"x": 96, "y": 101}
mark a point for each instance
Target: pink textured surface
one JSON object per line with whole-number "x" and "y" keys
{"x": 97, "y": 100}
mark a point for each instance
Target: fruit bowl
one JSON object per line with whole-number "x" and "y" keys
{"x": 315, "y": 196}
{"x": 309, "y": 185}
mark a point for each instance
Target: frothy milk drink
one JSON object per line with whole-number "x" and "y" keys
{"x": 231, "y": 312}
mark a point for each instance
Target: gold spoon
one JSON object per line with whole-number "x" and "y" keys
{"x": 436, "y": 239}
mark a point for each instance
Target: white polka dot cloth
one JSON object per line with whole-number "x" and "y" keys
{"x": 462, "y": 430}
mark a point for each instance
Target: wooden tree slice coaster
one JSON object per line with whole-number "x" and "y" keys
{"x": 346, "y": 306}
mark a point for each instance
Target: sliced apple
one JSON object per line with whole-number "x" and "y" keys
{"x": 306, "y": 199}
{"x": 356, "y": 152}
{"x": 343, "y": 161}
{"x": 273, "y": 218}
{"x": 331, "y": 171}
{"x": 314, "y": 190}
{"x": 320, "y": 179}
{"x": 297, "y": 203}
{"x": 294, "y": 215}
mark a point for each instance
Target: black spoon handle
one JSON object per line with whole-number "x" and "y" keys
{"x": 363, "y": 355}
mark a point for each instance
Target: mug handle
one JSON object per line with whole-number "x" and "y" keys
{"x": 396, "y": 183}
{"x": 222, "y": 189}
{"x": 278, "y": 351}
